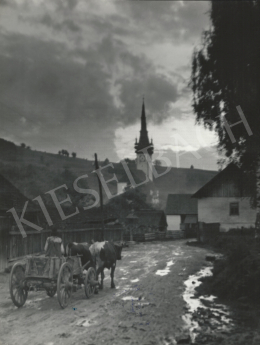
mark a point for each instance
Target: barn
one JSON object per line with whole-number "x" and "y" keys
{"x": 10, "y": 196}
{"x": 224, "y": 202}
{"x": 182, "y": 213}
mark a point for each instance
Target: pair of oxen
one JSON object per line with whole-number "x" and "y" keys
{"x": 99, "y": 255}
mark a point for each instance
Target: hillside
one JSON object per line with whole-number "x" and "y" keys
{"x": 35, "y": 173}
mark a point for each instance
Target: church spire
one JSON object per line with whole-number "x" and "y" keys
{"x": 143, "y": 139}
{"x": 143, "y": 119}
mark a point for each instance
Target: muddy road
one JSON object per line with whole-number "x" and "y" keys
{"x": 145, "y": 308}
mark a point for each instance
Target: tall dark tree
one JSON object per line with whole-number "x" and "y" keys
{"x": 226, "y": 80}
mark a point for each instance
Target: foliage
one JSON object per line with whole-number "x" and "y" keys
{"x": 23, "y": 145}
{"x": 122, "y": 205}
{"x": 64, "y": 153}
{"x": 226, "y": 74}
{"x": 74, "y": 154}
{"x": 157, "y": 162}
{"x": 238, "y": 274}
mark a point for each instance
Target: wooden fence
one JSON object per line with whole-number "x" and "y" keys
{"x": 14, "y": 246}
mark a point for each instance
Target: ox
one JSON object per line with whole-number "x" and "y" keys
{"x": 82, "y": 249}
{"x": 104, "y": 255}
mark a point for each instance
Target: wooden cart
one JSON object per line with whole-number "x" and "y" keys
{"x": 61, "y": 275}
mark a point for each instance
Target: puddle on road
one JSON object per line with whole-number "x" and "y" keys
{"x": 84, "y": 323}
{"x": 135, "y": 280}
{"x": 130, "y": 298}
{"x": 166, "y": 270}
{"x": 215, "y": 317}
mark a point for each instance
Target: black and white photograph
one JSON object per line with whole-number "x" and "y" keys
{"x": 129, "y": 172}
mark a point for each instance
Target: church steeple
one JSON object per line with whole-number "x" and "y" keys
{"x": 143, "y": 139}
{"x": 143, "y": 119}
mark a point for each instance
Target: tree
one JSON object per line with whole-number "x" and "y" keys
{"x": 74, "y": 154}
{"x": 225, "y": 79}
{"x": 23, "y": 145}
{"x": 192, "y": 167}
{"x": 157, "y": 162}
{"x": 64, "y": 153}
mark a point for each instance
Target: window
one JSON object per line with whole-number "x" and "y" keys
{"x": 234, "y": 209}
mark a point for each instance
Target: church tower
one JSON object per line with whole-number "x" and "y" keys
{"x": 144, "y": 148}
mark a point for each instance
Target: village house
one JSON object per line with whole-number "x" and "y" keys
{"x": 146, "y": 225}
{"x": 182, "y": 213}
{"x": 12, "y": 246}
{"x": 224, "y": 202}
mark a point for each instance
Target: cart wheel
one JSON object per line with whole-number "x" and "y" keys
{"x": 18, "y": 291}
{"x": 51, "y": 291}
{"x": 90, "y": 276}
{"x": 64, "y": 285}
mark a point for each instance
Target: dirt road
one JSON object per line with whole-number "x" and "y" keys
{"x": 145, "y": 308}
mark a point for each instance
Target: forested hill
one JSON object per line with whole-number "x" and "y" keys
{"x": 35, "y": 173}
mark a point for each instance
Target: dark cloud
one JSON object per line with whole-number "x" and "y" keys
{"x": 167, "y": 20}
{"x": 67, "y": 24}
{"x": 74, "y": 93}
{"x": 58, "y": 98}
{"x": 158, "y": 92}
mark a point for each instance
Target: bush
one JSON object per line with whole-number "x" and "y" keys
{"x": 238, "y": 275}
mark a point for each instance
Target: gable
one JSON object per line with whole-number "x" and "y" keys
{"x": 230, "y": 182}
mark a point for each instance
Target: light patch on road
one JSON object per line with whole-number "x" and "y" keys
{"x": 166, "y": 270}
{"x": 123, "y": 278}
{"x": 222, "y": 320}
{"x": 84, "y": 323}
{"x": 132, "y": 261}
{"x": 130, "y": 298}
{"x": 191, "y": 285}
{"x": 135, "y": 280}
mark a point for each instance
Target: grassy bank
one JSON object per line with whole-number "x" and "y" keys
{"x": 237, "y": 275}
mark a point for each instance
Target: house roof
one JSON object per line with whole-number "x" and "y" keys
{"x": 11, "y": 197}
{"x": 243, "y": 183}
{"x": 181, "y": 204}
{"x": 151, "y": 218}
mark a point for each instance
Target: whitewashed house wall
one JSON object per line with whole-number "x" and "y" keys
{"x": 217, "y": 210}
{"x": 173, "y": 222}
{"x": 215, "y": 197}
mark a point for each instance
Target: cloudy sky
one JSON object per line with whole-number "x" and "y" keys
{"x": 73, "y": 74}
